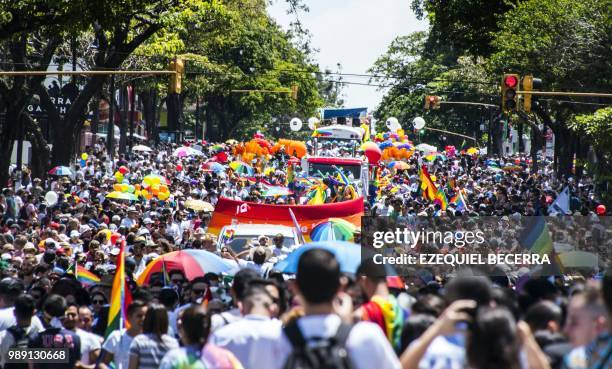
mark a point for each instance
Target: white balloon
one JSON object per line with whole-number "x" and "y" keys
{"x": 295, "y": 124}
{"x": 51, "y": 198}
{"x": 312, "y": 123}
{"x": 393, "y": 124}
{"x": 418, "y": 123}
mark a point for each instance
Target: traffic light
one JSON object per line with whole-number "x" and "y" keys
{"x": 432, "y": 102}
{"x": 508, "y": 91}
{"x": 294, "y": 92}
{"x": 529, "y": 84}
{"x": 177, "y": 66}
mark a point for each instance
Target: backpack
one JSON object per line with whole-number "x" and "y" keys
{"x": 21, "y": 339}
{"x": 324, "y": 353}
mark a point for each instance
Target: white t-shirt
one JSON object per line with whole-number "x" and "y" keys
{"x": 118, "y": 343}
{"x": 444, "y": 353}
{"x": 89, "y": 342}
{"x": 7, "y": 320}
{"x": 260, "y": 343}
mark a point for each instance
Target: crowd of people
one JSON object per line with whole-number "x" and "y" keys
{"x": 260, "y": 318}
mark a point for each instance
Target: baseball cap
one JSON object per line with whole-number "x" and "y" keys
{"x": 115, "y": 251}
{"x": 74, "y": 233}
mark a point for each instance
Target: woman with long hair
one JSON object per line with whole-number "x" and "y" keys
{"x": 148, "y": 349}
{"x": 194, "y": 328}
{"x": 497, "y": 341}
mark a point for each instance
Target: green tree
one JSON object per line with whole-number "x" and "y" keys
{"x": 567, "y": 44}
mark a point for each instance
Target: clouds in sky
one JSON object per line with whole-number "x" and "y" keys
{"x": 353, "y": 33}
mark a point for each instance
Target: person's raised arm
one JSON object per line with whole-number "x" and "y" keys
{"x": 444, "y": 325}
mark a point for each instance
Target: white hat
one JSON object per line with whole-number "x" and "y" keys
{"x": 147, "y": 221}
{"x": 74, "y": 233}
{"x": 84, "y": 228}
{"x": 114, "y": 251}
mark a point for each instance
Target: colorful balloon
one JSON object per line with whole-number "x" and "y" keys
{"x": 84, "y": 156}
{"x": 123, "y": 169}
{"x": 601, "y": 209}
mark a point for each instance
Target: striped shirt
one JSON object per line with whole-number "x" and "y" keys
{"x": 150, "y": 351}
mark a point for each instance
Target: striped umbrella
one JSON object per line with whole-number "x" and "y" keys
{"x": 333, "y": 229}
{"x": 193, "y": 263}
{"x": 61, "y": 171}
{"x": 242, "y": 168}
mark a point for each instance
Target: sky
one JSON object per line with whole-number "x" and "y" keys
{"x": 353, "y": 33}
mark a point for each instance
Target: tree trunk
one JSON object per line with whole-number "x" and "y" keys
{"x": 40, "y": 150}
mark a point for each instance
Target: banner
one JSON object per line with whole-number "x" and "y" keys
{"x": 306, "y": 215}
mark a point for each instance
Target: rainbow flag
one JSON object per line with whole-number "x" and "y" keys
{"x": 86, "y": 277}
{"x": 459, "y": 201}
{"x": 120, "y": 297}
{"x": 427, "y": 185}
{"x": 536, "y": 237}
{"x": 83, "y": 275}
{"x": 441, "y": 199}
{"x": 388, "y": 315}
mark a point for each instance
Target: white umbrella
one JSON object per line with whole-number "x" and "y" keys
{"x": 186, "y": 151}
{"x": 426, "y": 148}
{"x": 142, "y": 148}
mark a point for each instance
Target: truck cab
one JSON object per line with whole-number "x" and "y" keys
{"x": 243, "y": 233}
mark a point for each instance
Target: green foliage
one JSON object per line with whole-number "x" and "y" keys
{"x": 564, "y": 42}
{"x": 459, "y": 27}
{"x": 414, "y": 76}
{"x": 597, "y": 128}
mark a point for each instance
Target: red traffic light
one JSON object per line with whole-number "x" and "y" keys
{"x": 511, "y": 81}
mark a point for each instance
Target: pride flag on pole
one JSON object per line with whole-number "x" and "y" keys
{"x": 441, "y": 199}
{"x": 120, "y": 297}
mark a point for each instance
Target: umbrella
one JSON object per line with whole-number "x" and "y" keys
{"x": 186, "y": 151}
{"x": 472, "y": 151}
{"x": 217, "y": 148}
{"x": 579, "y": 259}
{"x": 142, "y": 148}
{"x": 61, "y": 171}
{"x": 242, "y": 168}
{"x": 231, "y": 141}
{"x": 193, "y": 263}
{"x": 349, "y": 256}
{"x": 399, "y": 165}
{"x": 426, "y": 148}
{"x": 214, "y": 167}
{"x": 333, "y": 229}
{"x": 434, "y": 156}
{"x": 276, "y": 191}
{"x": 122, "y": 196}
{"x": 199, "y": 205}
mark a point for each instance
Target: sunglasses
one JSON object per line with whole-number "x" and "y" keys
{"x": 177, "y": 281}
{"x": 97, "y": 302}
{"x": 199, "y": 292}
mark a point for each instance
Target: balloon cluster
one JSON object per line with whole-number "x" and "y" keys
{"x": 396, "y": 152}
{"x": 292, "y": 147}
{"x": 154, "y": 186}
{"x": 398, "y": 136}
{"x": 120, "y": 173}
{"x": 83, "y": 161}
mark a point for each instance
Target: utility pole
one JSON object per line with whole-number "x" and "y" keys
{"x": 132, "y": 103}
{"x": 110, "y": 135}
